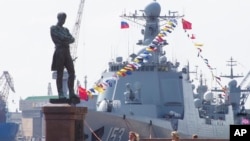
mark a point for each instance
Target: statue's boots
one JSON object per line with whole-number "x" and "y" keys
{"x": 74, "y": 99}
{"x": 61, "y": 95}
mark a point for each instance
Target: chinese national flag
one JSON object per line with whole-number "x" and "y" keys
{"x": 186, "y": 24}
{"x": 82, "y": 93}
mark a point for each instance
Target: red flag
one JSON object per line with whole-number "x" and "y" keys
{"x": 124, "y": 25}
{"x": 186, "y": 24}
{"x": 193, "y": 36}
{"x": 82, "y": 93}
{"x": 159, "y": 39}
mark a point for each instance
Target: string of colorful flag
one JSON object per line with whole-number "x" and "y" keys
{"x": 188, "y": 26}
{"x": 136, "y": 63}
{"x": 144, "y": 57}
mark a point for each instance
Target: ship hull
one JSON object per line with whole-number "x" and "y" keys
{"x": 8, "y": 131}
{"x": 114, "y": 127}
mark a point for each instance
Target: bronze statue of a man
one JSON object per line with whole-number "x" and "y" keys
{"x": 62, "y": 58}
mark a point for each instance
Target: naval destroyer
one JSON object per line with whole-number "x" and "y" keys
{"x": 153, "y": 96}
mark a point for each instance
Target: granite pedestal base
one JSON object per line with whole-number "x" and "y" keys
{"x": 64, "y": 123}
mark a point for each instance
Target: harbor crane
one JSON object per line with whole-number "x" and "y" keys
{"x": 76, "y": 31}
{"x": 6, "y": 83}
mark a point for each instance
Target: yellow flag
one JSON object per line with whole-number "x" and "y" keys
{"x": 99, "y": 89}
{"x": 198, "y": 44}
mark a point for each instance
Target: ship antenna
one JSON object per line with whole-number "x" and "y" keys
{"x": 231, "y": 64}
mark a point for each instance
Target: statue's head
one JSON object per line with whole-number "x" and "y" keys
{"x": 61, "y": 18}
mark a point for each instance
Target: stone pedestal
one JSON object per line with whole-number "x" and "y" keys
{"x": 64, "y": 123}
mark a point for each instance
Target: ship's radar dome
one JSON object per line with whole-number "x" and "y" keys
{"x": 232, "y": 83}
{"x": 153, "y": 9}
{"x": 202, "y": 89}
{"x": 163, "y": 59}
{"x": 208, "y": 96}
{"x": 197, "y": 102}
{"x": 147, "y": 41}
{"x": 196, "y": 95}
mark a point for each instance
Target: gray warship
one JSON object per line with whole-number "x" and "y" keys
{"x": 159, "y": 96}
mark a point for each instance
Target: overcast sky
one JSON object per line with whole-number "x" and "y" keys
{"x": 26, "y": 47}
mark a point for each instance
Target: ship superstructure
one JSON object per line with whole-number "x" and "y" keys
{"x": 157, "y": 96}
